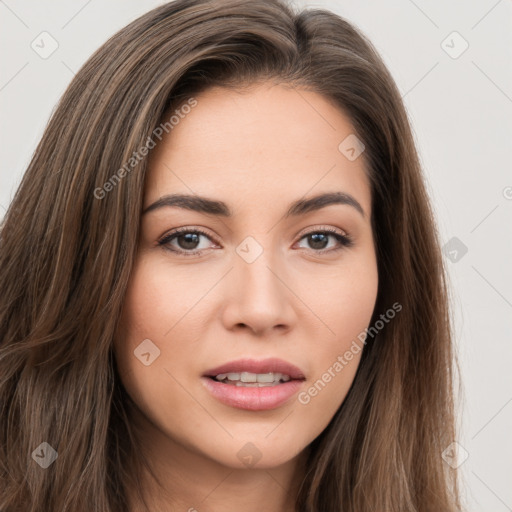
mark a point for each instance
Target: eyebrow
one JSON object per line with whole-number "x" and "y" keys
{"x": 220, "y": 208}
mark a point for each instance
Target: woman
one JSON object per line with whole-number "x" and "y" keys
{"x": 221, "y": 280}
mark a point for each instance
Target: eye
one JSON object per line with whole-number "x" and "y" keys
{"x": 187, "y": 241}
{"x": 319, "y": 240}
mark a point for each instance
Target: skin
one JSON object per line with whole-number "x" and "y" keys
{"x": 258, "y": 151}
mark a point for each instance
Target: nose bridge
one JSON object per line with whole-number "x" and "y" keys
{"x": 256, "y": 269}
{"x": 259, "y": 297}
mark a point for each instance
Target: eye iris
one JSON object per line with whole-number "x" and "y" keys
{"x": 317, "y": 238}
{"x": 190, "y": 238}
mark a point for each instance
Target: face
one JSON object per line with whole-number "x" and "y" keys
{"x": 263, "y": 287}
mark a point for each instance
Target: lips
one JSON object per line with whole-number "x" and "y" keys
{"x": 258, "y": 367}
{"x": 254, "y": 385}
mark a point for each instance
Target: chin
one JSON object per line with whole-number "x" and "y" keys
{"x": 256, "y": 453}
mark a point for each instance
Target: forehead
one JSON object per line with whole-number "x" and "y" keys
{"x": 258, "y": 144}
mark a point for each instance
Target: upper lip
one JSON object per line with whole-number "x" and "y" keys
{"x": 271, "y": 365}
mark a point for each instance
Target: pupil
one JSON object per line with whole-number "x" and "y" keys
{"x": 315, "y": 238}
{"x": 190, "y": 238}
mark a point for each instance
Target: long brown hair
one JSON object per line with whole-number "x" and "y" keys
{"x": 68, "y": 244}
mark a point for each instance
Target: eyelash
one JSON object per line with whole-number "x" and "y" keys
{"x": 345, "y": 241}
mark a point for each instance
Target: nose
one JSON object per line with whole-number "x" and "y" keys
{"x": 259, "y": 297}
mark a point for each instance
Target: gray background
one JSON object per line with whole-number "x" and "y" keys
{"x": 460, "y": 107}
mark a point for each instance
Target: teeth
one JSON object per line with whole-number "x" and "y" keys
{"x": 253, "y": 379}
{"x": 267, "y": 377}
{"x": 248, "y": 377}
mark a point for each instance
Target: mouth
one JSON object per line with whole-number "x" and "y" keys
{"x": 254, "y": 385}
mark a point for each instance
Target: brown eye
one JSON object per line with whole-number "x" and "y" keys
{"x": 186, "y": 240}
{"x": 319, "y": 240}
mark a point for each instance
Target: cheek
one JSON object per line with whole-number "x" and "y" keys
{"x": 345, "y": 302}
{"x": 152, "y": 309}
{"x": 161, "y": 306}
{"x": 343, "y": 298}
{"x": 157, "y": 300}
{"x": 144, "y": 317}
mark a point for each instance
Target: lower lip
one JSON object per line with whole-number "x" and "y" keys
{"x": 252, "y": 398}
